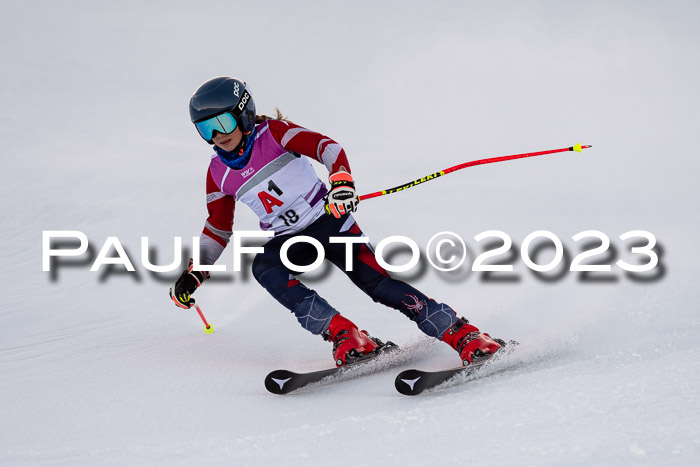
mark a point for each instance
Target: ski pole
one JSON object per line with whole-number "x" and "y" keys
{"x": 408, "y": 185}
{"x": 208, "y": 328}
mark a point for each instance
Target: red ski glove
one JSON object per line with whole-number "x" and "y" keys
{"x": 342, "y": 198}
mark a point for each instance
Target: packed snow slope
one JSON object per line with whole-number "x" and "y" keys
{"x": 100, "y": 367}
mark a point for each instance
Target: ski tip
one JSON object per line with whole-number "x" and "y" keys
{"x": 405, "y": 382}
{"x": 276, "y": 382}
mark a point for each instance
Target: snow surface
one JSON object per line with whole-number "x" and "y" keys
{"x": 101, "y": 368}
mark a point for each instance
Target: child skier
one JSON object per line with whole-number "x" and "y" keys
{"x": 259, "y": 161}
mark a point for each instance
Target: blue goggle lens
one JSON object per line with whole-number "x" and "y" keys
{"x": 224, "y": 123}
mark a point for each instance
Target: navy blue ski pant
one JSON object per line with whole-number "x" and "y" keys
{"x": 313, "y": 312}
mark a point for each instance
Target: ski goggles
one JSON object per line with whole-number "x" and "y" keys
{"x": 224, "y": 123}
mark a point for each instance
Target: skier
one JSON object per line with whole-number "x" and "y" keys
{"x": 264, "y": 163}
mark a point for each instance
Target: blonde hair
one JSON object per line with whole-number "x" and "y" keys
{"x": 262, "y": 118}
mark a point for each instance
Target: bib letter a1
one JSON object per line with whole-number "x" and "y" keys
{"x": 268, "y": 201}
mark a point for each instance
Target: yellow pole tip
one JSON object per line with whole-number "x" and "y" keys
{"x": 209, "y": 330}
{"x": 577, "y": 148}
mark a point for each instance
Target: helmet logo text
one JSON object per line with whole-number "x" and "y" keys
{"x": 244, "y": 101}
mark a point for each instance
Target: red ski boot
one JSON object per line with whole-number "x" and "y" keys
{"x": 349, "y": 343}
{"x": 469, "y": 341}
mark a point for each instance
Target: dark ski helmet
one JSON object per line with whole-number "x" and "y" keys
{"x": 224, "y": 94}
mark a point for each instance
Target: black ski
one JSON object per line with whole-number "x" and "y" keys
{"x": 285, "y": 381}
{"x": 414, "y": 382}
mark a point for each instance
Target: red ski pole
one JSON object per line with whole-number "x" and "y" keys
{"x": 208, "y": 328}
{"x": 408, "y": 185}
